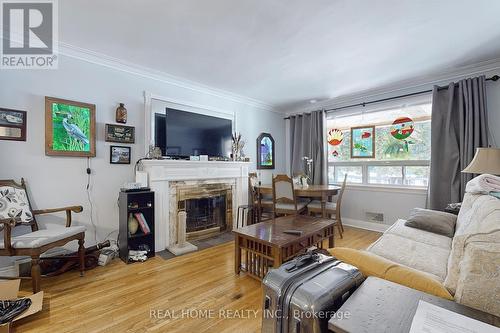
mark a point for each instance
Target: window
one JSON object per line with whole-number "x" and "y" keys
{"x": 401, "y": 144}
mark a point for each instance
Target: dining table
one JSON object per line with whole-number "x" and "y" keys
{"x": 324, "y": 193}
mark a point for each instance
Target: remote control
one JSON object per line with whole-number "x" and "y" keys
{"x": 293, "y": 232}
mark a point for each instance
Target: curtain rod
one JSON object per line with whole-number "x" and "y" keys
{"x": 493, "y": 78}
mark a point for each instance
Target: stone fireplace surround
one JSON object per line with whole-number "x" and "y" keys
{"x": 166, "y": 176}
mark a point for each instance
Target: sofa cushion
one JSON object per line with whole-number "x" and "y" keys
{"x": 424, "y": 257}
{"x": 42, "y": 237}
{"x": 478, "y": 221}
{"x": 399, "y": 228}
{"x": 371, "y": 264}
{"x": 440, "y": 223}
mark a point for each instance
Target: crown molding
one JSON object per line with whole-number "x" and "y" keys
{"x": 100, "y": 59}
{"x": 404, "y": 86}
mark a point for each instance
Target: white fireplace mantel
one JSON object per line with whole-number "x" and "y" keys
{"x": 161, "y": 172}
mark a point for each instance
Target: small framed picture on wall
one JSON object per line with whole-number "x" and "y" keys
{"x": 119, "y": 155}
{"x": 120, "y": 133}
{"x": 265, "y": 151}
{"x": 12, "y": 125}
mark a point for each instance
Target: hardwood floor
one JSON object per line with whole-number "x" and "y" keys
{"x": 129, "y": 298}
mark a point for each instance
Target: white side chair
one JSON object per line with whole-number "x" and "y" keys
{"x": 284, "y": 199}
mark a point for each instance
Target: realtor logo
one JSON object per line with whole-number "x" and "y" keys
{"x": 29, "y": 34}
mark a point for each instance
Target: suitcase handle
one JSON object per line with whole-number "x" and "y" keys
{"x": 302, "y": 261}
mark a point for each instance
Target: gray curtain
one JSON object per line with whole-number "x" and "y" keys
{"x": 307, "y": 138}
{"x": 459, "y": 126}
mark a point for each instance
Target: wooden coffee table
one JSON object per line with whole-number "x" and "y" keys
{"x": 266, "y": 246}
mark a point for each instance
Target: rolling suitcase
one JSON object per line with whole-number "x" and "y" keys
{"x": 304, "y": 293}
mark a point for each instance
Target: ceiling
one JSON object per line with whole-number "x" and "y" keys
{"x": 287, "y": 52}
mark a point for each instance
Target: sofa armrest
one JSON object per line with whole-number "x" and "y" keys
{"x": 478, "y": 277}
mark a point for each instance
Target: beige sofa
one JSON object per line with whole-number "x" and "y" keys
{"x": 468, "y": 264}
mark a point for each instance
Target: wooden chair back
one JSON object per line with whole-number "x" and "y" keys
{"x": 341, "y": 194}
{"x": 252, "y": 190}
{"x": 283, "y": 191}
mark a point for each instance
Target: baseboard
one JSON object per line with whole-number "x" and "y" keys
{"x": 379, "y": 227}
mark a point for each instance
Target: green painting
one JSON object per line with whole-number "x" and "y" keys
{"x": 71, "y": 128}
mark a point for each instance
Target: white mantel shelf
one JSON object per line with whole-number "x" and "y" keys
{"x": 162, "y": 172}
{"x": 159, "y": 170}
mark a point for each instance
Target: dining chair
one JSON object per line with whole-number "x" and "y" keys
{"x": 259, "y": 202}
{"x": 284, "y": 200}
{"x": 332, "y": 209}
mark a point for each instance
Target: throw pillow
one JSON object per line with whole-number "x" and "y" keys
{"x": 433, "y": 221}
{"x": 14, "y": 204}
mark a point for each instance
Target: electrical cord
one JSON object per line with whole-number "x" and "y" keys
{"x": 89, "y": 197}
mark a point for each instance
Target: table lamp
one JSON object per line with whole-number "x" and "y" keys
{"x": 486, "y": 160}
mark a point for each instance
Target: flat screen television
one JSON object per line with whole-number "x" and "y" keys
{"x": 182, "y": 134}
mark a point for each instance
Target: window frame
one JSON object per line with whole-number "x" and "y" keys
{"x": 364, "y": 170}
{"x": 365, "y": 163}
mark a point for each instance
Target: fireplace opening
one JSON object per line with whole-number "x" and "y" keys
{"x": 208, "y": 209}
{"x": 206, "y": 213}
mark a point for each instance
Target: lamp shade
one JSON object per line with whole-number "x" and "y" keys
{"x": 486, "y": 160}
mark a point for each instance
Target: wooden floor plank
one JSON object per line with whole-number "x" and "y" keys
{"x": 119, "y": 297}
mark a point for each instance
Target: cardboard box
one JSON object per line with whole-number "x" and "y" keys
{"x": 9, "y": 290}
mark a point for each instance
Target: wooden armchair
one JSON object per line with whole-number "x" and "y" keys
{"x": 15, "y": 209}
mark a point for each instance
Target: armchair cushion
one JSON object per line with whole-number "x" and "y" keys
{"x": 43, "y": 237}
{"x": 14, "y": 204}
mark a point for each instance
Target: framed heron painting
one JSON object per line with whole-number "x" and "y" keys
{"x": 69, "y": 128}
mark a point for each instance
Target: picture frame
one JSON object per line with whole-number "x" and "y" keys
{"x": 363, "y": 142}
{"x": 119, "y": 154}
{"x": 69, "y": 128}
{"x": 13, "y": 124}
{"x": 265, "y": 151}
{"x": 120, "y": 133}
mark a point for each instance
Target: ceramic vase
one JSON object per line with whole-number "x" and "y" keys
{"x": 133, "y": 225}
{"x": 121, "y": 114}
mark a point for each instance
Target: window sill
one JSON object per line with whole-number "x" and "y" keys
{"x": 387, "y": 188}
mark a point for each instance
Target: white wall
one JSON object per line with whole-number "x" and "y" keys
{"x": 61, "y": 181}
{"x": 397, "y": 204}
